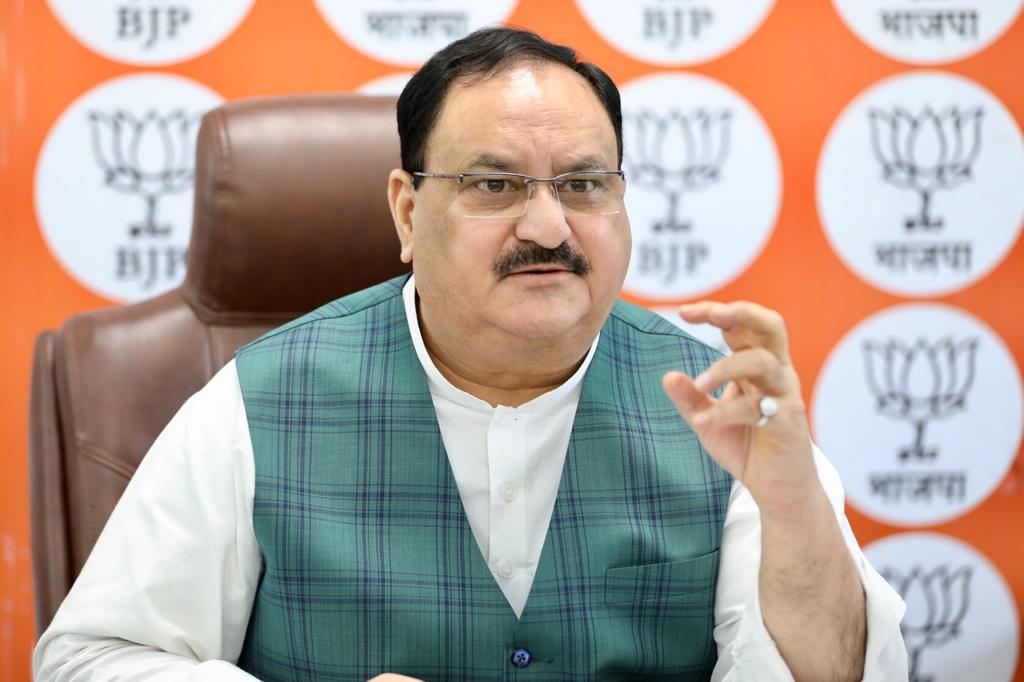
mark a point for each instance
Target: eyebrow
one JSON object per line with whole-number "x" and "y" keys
{"x": 586, "y": 163}
{"x": 491, "y": 162}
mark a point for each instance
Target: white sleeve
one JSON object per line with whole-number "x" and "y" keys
{"x": 745, "y": 649}
{"x": 167, "y": 590}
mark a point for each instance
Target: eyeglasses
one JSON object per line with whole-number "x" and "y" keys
{"x": 506, "y": 195}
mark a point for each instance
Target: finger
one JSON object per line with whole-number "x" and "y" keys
{"x": 684, "y": 395}
{"x": 755, "y": 366}
{"x": 739, "y": 338}
{"x": 727, "y": 315}
{"x": 744, "y": 323}
{"x": 742, "y": 410}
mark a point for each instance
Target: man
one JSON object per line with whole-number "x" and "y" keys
{"x": 490, "y": 469}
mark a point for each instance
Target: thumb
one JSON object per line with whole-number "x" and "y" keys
{"x": 687, "y": 398}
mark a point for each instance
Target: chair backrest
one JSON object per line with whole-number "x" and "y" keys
{"x": 290, "y": 212}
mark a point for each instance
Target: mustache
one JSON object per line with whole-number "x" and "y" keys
{"x": 525, "y": 255}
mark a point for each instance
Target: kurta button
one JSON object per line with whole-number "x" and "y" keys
{"x": 521, "y": 658}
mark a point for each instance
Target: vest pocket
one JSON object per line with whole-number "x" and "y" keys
{"x": 657, "y": 581}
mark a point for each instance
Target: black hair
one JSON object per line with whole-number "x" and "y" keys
{"x": 480, "y": 54}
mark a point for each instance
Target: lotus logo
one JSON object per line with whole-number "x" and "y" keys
{"x": 937, "y": 602}
{"x": 675, "y": 154}
{"x": 919, "y": 383}
{"x": 926, "y": 153}
{"x": 149, "y": 156}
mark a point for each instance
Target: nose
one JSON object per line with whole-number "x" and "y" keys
{"x": 543, "y": 222}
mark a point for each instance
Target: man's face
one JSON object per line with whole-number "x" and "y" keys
{"x": 538, "y": 119}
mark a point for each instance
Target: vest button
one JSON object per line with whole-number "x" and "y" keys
{"x": 521, "y": 658}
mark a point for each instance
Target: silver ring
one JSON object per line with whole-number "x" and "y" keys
{"x": 768, "y": 407}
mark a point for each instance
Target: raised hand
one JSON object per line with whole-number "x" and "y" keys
{"x": 774, "y": 461}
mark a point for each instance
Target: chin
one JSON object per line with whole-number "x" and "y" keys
{"x": 550, "y": 324}
{"x": 541, "y": 313}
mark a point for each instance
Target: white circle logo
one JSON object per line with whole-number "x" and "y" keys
{"x": 703, "y": 182}
{"x": 114, "y": 182}
{"x": 409, "y": 31}
{"x": 920, "y": 409}
{"x": 675, "y": 32}
{"x": 928, "y": 31}
{"x": 961, "y": 622}
{"x": 386, "y": 85}
{"x": 150, "y": 32}
{"x": 919, "y": 184}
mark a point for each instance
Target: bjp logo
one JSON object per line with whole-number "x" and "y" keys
{"x": 926, "y": 153}
{"x": 149, "y": 156}
{"x": 920, "y": 383}
{"x": 937, "y": 601}
{"x": 676, "y": 154}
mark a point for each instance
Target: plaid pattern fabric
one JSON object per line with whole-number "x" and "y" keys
{"x": 370, "y": 563}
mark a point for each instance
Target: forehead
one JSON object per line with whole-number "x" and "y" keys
{"x": 524, "y": 115}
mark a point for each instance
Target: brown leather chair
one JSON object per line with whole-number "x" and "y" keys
{"x": 290, "y": 212}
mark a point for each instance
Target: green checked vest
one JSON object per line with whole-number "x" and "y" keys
{"x": 369, "y": 561}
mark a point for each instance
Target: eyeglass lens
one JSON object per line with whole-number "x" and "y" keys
{"x": 503, "y": 196}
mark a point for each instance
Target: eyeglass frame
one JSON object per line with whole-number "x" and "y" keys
{"x": 528, "y": 180}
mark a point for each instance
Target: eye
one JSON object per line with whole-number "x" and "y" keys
{"x": 494, "y": 185}
{"x": 582, "y": 185}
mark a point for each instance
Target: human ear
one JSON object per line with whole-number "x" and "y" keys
{"x": 402, "y": 200}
